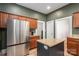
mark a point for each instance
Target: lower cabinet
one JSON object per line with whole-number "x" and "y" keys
{"x": 73, "y": 46}
{"x": 33, "y": 41}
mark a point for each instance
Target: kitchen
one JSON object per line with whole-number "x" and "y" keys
{"x": 26, "y": 30}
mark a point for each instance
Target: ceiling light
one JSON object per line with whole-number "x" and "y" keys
{"x": 48, "y": 7}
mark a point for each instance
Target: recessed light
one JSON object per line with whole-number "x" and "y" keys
{"x": 48, "y": 7}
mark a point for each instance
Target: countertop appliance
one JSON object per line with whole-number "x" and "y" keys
{"x": 17, "y": 37}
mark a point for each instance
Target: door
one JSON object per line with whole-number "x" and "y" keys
{"x": 63, "y": 27}
{"x": 50, "y": 29}
{"x": 33, "y": 23}
{"x": 41, "y": 29}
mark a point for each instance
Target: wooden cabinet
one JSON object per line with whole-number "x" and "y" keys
{"x": 73, "y": 46}
{"x": 3, "y": 20}
{"x": 13, "y": 17}
{"x": 6, "y": 16}
{"x": 76, "y": 20}
{"x": 33, "y": 23}
{"x": 33, "y": 41}
{"x": 22, "y": 18}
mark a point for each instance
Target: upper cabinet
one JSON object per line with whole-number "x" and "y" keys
{"x": 22, "y": 18}
{"x": 13, "y": 17}
{"x": 33, "y": 23}
{"x": 76, "y": 20}
{"x": 3, "y": 20}
{"x": 6, "y": 16}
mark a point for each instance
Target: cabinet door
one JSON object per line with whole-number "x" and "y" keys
{"x": 32, "y": 43}
{"x": 3, "y": 18}
{"x": 72, "y": 46}
{"x": 33, "y": 23}
{"x": 36, "y": 38}
{"x": 76, "y": 20}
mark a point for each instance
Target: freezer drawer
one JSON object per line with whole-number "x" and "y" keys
{"x": 11, "y": 51}
{"x": 22, "y": 50}
{"x": 18, "y": 50}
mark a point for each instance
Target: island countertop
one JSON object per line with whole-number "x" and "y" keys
{"x": 50, "y": 42}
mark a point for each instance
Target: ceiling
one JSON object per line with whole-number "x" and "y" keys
{"x": 42, "y": 7}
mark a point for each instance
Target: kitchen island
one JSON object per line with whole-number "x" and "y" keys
{"x": 50, "y": 47}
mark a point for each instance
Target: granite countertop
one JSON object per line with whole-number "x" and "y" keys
{"x": 74, "y": 36}
{"x": 50, "y": 42}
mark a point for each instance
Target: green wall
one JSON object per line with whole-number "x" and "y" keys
{"x": 64, "y": 12}
{"x": 20, "y": 10}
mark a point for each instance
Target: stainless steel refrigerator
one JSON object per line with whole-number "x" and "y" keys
{"x": 17, "y": 38}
